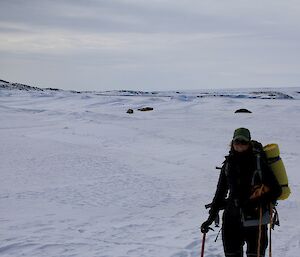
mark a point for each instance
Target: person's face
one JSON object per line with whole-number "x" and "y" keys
{"x": 240, "y": 146}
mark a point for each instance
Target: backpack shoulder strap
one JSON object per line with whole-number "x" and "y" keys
{"x": 257, "y": 149}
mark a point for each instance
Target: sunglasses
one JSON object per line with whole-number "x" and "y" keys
{"x": 240, "y": 142}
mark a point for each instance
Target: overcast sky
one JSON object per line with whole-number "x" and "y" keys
{"x": 150, "y": 44}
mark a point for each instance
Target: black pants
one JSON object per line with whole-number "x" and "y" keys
{"x": 234, "y": 236}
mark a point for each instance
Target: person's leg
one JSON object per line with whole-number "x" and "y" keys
{"x": 251, "y": 237}
{"x": 232, "y": 236}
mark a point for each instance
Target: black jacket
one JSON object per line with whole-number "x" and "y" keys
{"x": 237, "y": 180}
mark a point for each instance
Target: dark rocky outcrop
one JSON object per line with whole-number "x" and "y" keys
{"x": 242, "y": 111}
{"x": 145, "y": 109}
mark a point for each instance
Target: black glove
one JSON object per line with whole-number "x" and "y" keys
{"x": 205, "y": 225}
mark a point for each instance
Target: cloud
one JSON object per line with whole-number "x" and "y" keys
{"x": 144, "y": 43}
{"x": 145, "y": 16}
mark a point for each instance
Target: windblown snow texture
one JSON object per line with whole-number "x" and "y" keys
{"x": 81, "y": 177}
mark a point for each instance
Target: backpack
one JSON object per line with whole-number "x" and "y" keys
{"x": 271, "y": 153}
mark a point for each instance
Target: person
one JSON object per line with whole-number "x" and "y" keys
{"x": 245, "y": 190}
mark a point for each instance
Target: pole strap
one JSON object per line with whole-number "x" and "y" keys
{"x": 259, "y": 232}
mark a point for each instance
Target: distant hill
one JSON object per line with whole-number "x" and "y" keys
{"x": 19, "y": 86}
{"x": 184, "y": 95}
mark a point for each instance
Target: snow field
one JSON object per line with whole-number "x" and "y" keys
{"x": 80, "y": 177}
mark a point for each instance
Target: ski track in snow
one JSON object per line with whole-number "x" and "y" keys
{"x": 80, "y": 177}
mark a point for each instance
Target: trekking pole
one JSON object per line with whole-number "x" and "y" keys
{"x": 259, "y": 231}
{"x": 203, "y": 244}
{"x": 270, "y": 230}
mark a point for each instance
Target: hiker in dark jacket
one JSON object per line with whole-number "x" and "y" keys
{"x": 245, "y": 190}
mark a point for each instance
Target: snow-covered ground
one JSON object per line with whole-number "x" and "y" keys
{"x": 81, "y": 177}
